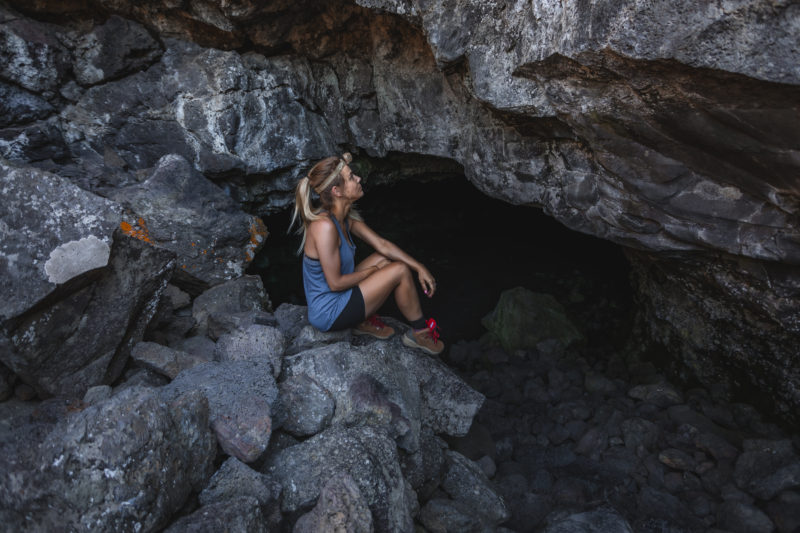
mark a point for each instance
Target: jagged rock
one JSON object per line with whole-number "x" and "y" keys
{"x": 255, "y": 343}
{"x": 425, "y": 391}
{"x": 87, "y": 472}
{"x": 239, "y": 295}
{"x": 661, "y": 394}
{"x": 366, "y": 453}
{"x": 18, "y": 106}
{"x": 97, "y": 394}
{"x": 240, "y": 396}
{"x": 221, "y": 323}
{"x": 523, "y": 319}
{"x": 677, "y": 459}
{"x": 303, "y": 408}
{"x": 31, "y": 55}
{"x": 602, "y": 520}
{"x": 240, "y": 514}
{"x": 451, "y": 516}
{"x": 766, "y": 468}
{"x": 164, "y": 360}
{"x": 213, "y": 239}
{"x": 465, "y": 482}
{"x": 783, "y": 513}
{"x": 300, "y": 334}
{"x": 739, "y": 517}
{"x": 236, "y": 479}
{"x": 113, "y": 49}
{"x": 425, "y": 466}
{"x": 197, "y": 346}
{"x": 639, "y": 432}
{"x": 340, "y": 507}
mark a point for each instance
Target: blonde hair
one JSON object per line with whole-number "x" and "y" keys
{"x": 322, "y": 178}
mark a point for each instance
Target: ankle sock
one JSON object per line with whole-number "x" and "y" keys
{"x": 418, "y": 324}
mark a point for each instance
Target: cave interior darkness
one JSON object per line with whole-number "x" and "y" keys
{"x": 476, "y": 247}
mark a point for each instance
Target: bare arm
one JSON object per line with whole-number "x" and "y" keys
{"x": 323, "y": 241}
{"x": 389, "y": 249}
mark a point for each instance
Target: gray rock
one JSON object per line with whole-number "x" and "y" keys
{"x": 782, "y": 510}
{"x": 236, "y": 479}
{"x": 340, "y": 507}
{"x": 367, "y": 454}
{"x": 739, "y": 517}
{"x": 32, "y": 56}
{"x": 71, "y": 284}
{"x": 677, "y": 459}
{"x": 639, "y": 432}
{"x": 424, "y": 390}
{"x": 221, "y": 323}
{"x": 661, "y": 394}
{"x": 522, "y": 319}
{"x": 86, "y": 470}
{"x": 465, "y": 482}
{"x": 18, "y": 106}
{"x": 309, "y": 337}
{"x": 97, "y": 394}
{"x": 303, "y": 408}
{"x": 240, "y": 396}
{"x": 255, "y": 343}
{"x": 242, "y": 294}
{"x": 113, "y": 49}
{"x": 367, "y": 403}
{"x": 164, "y": 360}
{"x": 766, "y": 468}
{"x": 213, "y": 239}
{"x": 197, "y": 346}
{"x": 240, "y": 514}
{"x": 602, "y": 520}
{"x": 424, "y": 468}
{"x": 449, "y": 516}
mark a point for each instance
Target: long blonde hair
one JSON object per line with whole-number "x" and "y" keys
{"x": 322, "y": 178}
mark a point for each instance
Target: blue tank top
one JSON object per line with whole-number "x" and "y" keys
{"x": 324, "y": 304}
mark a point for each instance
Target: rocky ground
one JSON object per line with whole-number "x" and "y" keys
{"x": 585, "y": 439}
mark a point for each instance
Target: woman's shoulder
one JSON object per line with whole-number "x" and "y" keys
{"x": 322, "y": 225}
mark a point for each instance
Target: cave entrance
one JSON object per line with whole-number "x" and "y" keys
{"x": 476, "y": 247}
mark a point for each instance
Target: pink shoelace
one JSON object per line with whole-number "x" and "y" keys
{"x": 376, "y": 321}
{"x": 434, "y": 328}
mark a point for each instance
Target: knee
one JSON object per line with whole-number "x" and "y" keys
{"x": 400, "y": 269}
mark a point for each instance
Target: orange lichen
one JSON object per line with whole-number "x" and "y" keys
{"x": 258, "y": 233}
{"x": 137, "y": 231}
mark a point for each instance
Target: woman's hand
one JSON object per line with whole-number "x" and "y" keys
{"x": 426, "y": 281}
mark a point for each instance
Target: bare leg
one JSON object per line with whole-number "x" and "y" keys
{"x": 395, "y": 277}
{"x": 375, "y": 259}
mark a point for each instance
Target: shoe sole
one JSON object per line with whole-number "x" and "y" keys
{"x": 359, "y": 332}
{"x": 411, "y": 343}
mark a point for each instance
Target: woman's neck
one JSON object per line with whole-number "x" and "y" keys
{"x": 340, "y": 210}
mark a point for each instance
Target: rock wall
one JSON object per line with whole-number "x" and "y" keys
{"x": 665, "y": 128}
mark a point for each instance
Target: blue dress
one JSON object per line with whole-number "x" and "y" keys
{"x": 324, "y": 304}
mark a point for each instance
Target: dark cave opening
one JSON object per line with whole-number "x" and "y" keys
{"x": 476, "y": 247}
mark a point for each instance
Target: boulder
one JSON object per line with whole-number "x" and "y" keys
{"x": 254, "y": 343}
{"x": 213, "y": 239}
{"x": 240, "y": 396}
{"x": 221, "y": 323}
{"x": 300, "y": 334}
{"x": 164, "y": 360}
{"x": 18, "y": 106}
{"x": 465, "y": 482}
{"x": 127, "y": 463}
{"x": 31, "y": 55}
{"x": 366, "y": 453}
{"x": 113, "y": 49}
{"x": 236, "y": 479}
{"x": 340, "y": 507}
{"x": 602, "y": 520}
{"x": 239, "y": 295}
{"x": 241, "y": 514}
{"x": 423, "y": 391}
{"x": 303, "y": 408}
{"x": 522, "y": 319}
{"x": 766, "y": 468}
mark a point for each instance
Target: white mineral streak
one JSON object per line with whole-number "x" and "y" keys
{"x": 76, "y": 257}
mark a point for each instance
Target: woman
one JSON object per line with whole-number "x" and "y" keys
{"x": 340, "y": 294}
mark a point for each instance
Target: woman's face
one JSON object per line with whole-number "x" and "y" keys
{"x": 351, "y": 185}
